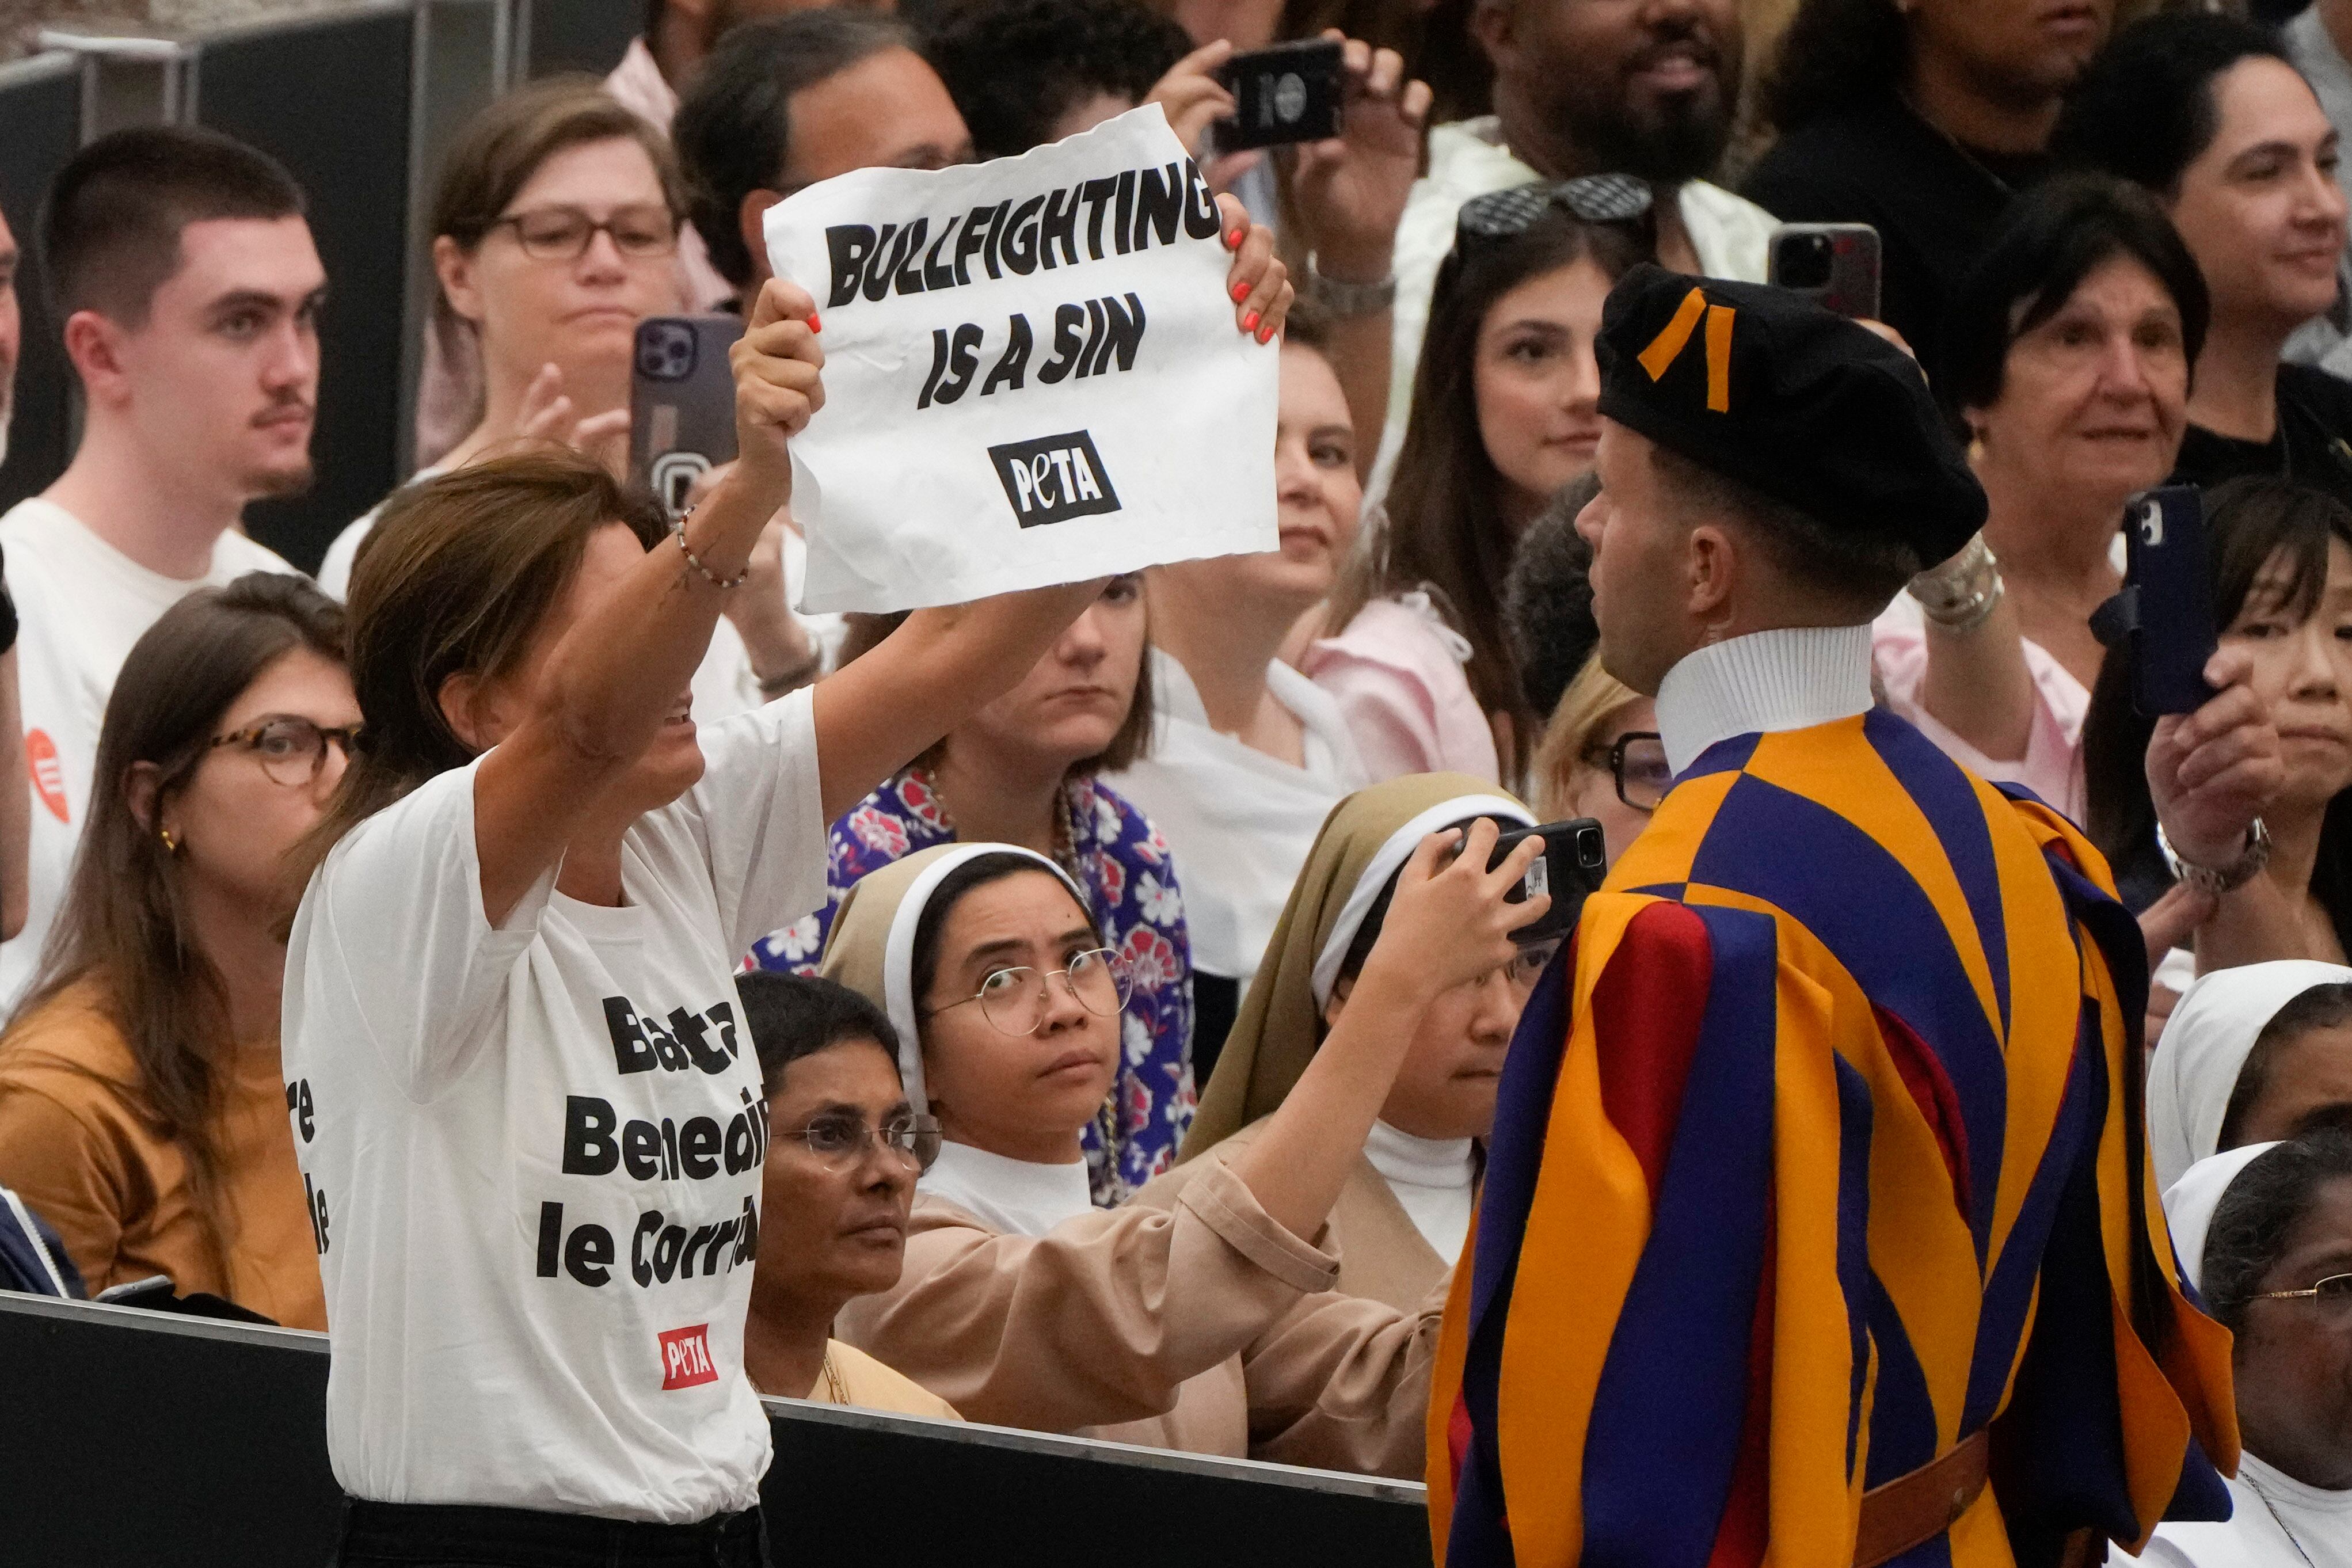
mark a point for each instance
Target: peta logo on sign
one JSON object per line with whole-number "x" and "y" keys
{"x": 1054, "y": 479}
{"x": 686, "y": 1357}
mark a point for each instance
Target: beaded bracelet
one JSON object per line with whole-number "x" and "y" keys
{"x": 678, "y": 532}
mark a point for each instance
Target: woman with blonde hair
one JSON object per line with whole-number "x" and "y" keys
{"x": 1601, "y": 757}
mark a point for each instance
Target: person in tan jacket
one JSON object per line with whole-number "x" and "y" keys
{"x": 1404, "y": 1211}
{"x": 142, "y": 1112}
{"x": 1207, "y": 1325}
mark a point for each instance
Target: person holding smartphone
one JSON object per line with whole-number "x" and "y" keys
{"x": 1401, "y": 1220}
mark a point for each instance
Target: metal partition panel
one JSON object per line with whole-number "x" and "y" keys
{"x": 132, "y": 1436}
{"x": 329, "y": 96}
{"x": 40, "y": 127}
{"x": 577, "y": 34}
{"x": 462, "y": 59}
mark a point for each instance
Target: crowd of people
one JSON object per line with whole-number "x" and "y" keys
{"x": 1096, "y": 1009}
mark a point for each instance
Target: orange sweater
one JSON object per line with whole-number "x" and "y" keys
{"x": 79, "y": 1144}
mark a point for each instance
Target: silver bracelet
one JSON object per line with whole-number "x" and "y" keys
{"x": 2219, "y": 880}
{"x": 678, "y": 532}
{"x": 1338, "y": 299}
{"x": 1960, "y": 595}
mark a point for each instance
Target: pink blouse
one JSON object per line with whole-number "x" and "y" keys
{"x": 2052, "y": 764}
{"x": 1396, "y": 673}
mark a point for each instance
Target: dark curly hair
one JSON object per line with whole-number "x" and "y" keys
{"x": 2258, "y": 1214}
{"x": 1016, "y": 67}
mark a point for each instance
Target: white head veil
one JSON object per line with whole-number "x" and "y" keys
{"x": 2204, "y": 1049}
{"x": 2190, "y": 1203}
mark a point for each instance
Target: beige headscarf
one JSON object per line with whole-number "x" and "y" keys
{"x": 1364, "y": 841}
{"x": 871, "y": 947}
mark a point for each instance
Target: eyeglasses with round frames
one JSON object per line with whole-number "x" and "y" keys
{"x": 841, "y": 1141}
{"x": 290, "y": 748}
{"x": 565, "y": 233}
{"x": 1013, "y": 1000}
{"x": 2334, "y": 1295}
{"x": 1637, "y": 764}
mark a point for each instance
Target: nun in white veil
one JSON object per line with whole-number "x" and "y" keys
{"x": 2195, "y": 1069}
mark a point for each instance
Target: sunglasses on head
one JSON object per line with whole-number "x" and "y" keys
{"x": 1593, "y": 198}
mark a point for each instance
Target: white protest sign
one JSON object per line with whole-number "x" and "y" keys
{"x": 1032, "y": 374}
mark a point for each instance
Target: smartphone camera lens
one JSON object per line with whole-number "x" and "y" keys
{"x": 1805, "y": 261}
{"x": 1290, "y": 97}
{"x": 666, "y": 351}
{"x": 1591, "y": 850}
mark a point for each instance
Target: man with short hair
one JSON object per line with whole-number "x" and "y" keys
{"x": 1819, "y": 1176}
{"x": 1647, "y": 87}
{"x": 783, "y": 103}
{"x": 190, "y": 289}
{"x": 1921, "y": 119}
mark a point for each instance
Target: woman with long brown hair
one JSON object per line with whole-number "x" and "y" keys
{"x": 141, "y": 1110}
{"x": 1504, "y": 413}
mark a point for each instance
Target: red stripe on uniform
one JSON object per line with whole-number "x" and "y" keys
{"x": 1647, "y": 1008}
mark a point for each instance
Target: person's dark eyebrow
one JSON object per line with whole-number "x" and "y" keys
{"x": 237, "y": 299}
{"x": 1011, "y": 946}
{"x": 2276, "y": 147}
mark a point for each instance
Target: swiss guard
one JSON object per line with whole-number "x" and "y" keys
{"x": 1818, "y": 1225}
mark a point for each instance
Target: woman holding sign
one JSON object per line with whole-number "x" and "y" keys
{"x": 534, "y": 1129}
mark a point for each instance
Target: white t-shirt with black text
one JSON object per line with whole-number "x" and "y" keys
{"x": 532, "y": 1152}
{"x": 80, "y": 605}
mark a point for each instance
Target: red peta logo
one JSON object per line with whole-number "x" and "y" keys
{"x": 686, "y": 1357}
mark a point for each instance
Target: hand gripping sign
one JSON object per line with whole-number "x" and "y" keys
{"x": 1032, "y": 375}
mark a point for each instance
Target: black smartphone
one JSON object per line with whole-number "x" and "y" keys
{"x": 1283, "y": 94}
{"x": 1574, "y": 861}
{"x": 2172, "y": 632}
{"x": 1834, "y": 264}
{"x": 681, "y": 404}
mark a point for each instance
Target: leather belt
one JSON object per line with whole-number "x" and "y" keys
{"x": 1916, "y": 1508}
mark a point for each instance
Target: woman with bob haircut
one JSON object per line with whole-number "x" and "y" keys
{"x": 530, "y": 1124}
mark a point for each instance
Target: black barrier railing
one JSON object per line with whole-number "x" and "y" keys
{"x": 129, "y": 1436}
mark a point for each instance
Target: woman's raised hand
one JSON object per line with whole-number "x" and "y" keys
{"x": 779, "y": 384}
{"x": 2211, "y": 772}
{"x": 1259, "y": 284}
{"x": 1448, "y": 923}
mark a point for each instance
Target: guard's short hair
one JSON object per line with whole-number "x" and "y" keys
{"x": 110, "y": 228}
{"x": 1866, "y": 570}
{"x": 733, "y": 130}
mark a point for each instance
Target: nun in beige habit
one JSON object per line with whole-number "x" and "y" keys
{"x": 1404, "y": 1212}
{"x": 1207, "y": 1325}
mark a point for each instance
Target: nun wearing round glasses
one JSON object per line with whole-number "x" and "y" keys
{"x": 1205, "y": 1326}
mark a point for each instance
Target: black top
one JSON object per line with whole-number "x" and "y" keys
{"x": 2313, "y": 444}
{"x": 1933, "y": 205}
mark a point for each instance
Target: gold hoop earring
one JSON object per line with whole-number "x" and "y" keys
{"x": 170, "y": 845}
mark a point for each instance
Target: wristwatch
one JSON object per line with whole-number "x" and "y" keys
{"x": 1338, "y": 298}
{"x": 2223, "y": 880}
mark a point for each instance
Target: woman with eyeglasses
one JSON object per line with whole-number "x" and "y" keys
{"x": 1601, "y": 758}
{"x": 844, "y": 1148}
{"x": 2264, "y": 1232}
{"x": 1505, "y": 412}
{"x": 1400, "y": 1222}
{"x": 555, "y": 232}
{"x": 141, "y": 1111}
{"x": 1206, "y": 1325}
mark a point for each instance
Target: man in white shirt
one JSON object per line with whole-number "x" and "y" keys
{"x": 1585, "y": 86}
{"x": 190, "y": 287}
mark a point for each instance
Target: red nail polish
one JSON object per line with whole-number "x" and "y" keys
{"x": 813, "y": 325}
{"x": 1249, "y": 322}
{"x": 1265, "y": 334}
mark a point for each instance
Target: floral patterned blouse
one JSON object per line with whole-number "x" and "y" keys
{"x": 1122, "y": 863}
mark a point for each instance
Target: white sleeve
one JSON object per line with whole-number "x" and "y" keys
{"x": 758, "y": 813}
{"x": 393, "y": 944}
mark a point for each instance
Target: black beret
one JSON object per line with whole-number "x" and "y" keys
{"x": 1761, "y": 385}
